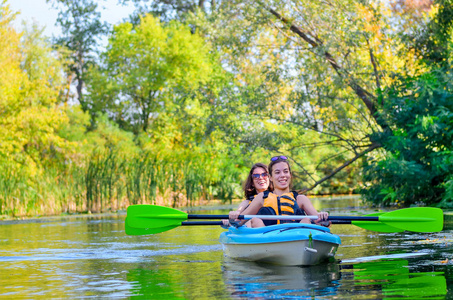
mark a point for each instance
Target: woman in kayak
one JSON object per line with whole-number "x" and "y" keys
{"x": 257, "y": 182}
{"x": 280, "y": 201}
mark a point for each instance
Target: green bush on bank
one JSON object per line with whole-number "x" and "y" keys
{"x": 416, "y": 165}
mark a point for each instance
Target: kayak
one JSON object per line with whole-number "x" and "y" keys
{"x": 290, "y": 244}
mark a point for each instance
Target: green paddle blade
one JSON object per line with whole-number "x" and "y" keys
{"x": 143, "y": 231}
{"x": 376, "y": 226}
{"x": 417, "y": 219}
{"x": 154, "y": 216}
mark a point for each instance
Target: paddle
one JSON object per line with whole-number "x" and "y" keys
{"x": 416, "y": 219}
{"x": 143, "y": 231}
{"x": 375, "y": 226}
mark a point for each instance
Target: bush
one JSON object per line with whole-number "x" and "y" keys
{"x": 417, "y": 162}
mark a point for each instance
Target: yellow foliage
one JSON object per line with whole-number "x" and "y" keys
{"x": 28, "y": 97}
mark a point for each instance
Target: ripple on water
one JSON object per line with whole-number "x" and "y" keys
{"x": 47, "y": 254}
{"x": 388, "y": 256}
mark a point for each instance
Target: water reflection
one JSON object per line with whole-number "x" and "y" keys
{"x": 146, "y": 281}
{"x": 194, "y": 276}
{"x": 254, "y": 280}
{"x": 379, "y": 279}
{"x": 393, "y": 279}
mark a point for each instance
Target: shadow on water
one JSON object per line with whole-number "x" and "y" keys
{"x": 254, "y": 280}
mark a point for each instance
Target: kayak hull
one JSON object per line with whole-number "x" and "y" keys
{"x": 292, "y": 244}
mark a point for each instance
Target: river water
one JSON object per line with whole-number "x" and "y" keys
{"x": 92, "y": 257}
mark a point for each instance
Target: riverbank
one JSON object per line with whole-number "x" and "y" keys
{"x": 354, "y": 201}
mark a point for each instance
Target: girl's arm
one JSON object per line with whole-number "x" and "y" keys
{"x": 309, "y": 209}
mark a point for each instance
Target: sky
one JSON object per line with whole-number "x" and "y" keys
{"x": 42, "y": 13}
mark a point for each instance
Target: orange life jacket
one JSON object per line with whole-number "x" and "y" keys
{"x": 285, "y": 204}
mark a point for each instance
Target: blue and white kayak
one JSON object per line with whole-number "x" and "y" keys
{"x": 290, "y": 244}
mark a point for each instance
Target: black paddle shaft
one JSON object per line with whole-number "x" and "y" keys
{"x": 198, "y": 223}
{"x": 331, "y": 218}
{"x": 195, "y": 223}
{"x": 346, "y": 218}
{"x": 208, "y": 217}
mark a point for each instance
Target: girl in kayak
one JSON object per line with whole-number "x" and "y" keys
{"x": 280, "y": 201}
{"x": 257, "y": 182}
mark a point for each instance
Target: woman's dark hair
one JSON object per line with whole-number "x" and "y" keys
{"x": 271, "y": 165}
{"x": 249, "y": 187}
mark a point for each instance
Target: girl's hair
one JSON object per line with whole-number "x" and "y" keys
{"x": 249, "y": 187}
{"x": 271, "y": 166}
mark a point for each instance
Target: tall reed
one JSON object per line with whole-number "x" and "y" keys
{"x": 110, "y": 180}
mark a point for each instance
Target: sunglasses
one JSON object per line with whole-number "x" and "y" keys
{"x": 279, "y": 157}
{"x": 257, "y": 176}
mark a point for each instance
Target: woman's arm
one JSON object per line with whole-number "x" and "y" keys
{"x": 253, "y": 208}
{"x": 233, "y": 215}
{"x": 243, "y": 205}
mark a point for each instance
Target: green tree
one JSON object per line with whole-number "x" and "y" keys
{"x": 82, "y": 29}
{"x": 151, "y": 73}
{"x": 417, "y": 164}
{"x": 30, "y": 80}
{"x": 342, "y": 54}
{"x": 257, "y": 92}
{"x": 434, "y": 40}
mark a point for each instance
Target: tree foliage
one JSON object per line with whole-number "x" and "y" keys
{"x": 344, "y": 58}
{"x": 30, "y": 79}
{"x": 433, "y": 41}
{"x": 82, "y": 29}
{"x": 417, "y": 164}
{"x": 188, "y": 94}
{"x": 150, "y": 73}
{"x": 305, "y": 70}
